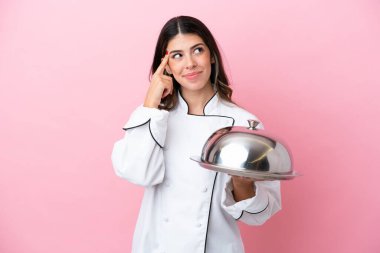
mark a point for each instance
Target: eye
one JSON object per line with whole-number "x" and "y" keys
{"x": 176, "y": 56}
{"x": 198, "y": 50}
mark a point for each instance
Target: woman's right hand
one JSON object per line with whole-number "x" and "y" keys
{"x": 161, "y": 85}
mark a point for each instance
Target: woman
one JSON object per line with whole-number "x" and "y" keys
{"x": 187, "y": 208}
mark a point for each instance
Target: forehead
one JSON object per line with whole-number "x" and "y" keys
{"x": 184, "y": 41}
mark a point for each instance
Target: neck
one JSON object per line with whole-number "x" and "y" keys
{"x": 196, "y": 100}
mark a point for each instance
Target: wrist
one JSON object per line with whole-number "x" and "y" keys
{"x": 150, "y": 104}
{"x": 243, "y": 189}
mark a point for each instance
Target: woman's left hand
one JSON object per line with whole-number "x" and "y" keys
{"x": 243, "y": 187}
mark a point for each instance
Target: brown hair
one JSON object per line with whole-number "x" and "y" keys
{"x": 183, "y": 25}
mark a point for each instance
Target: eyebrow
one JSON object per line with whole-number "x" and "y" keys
{"x": 178, "y": 51}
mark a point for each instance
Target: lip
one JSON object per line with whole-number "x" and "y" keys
{"x": 192, "y": 75}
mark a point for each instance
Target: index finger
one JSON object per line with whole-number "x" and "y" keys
{"x": 164, "y": 61}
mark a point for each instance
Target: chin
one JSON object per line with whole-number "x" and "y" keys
{"x": 193, "y": 85}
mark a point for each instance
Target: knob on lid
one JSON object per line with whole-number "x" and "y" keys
{"x": 253, "y": 124}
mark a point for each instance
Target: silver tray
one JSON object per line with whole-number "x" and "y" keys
{"x": 258, "y": 176}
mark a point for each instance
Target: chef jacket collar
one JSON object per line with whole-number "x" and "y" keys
{"x": 209, "y": 107}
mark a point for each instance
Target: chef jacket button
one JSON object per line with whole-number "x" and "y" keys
{"x": 166, "y": 219}
{"x": 167, "y": 184}
{"x": 199, "y": 225}
{"x": 204, "y": 189}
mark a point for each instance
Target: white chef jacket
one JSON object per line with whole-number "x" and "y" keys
{"x": 185, "y": 207}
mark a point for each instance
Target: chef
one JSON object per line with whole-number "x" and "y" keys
{"x": 185, "y": 207}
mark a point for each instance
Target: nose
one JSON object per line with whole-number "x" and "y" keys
{"x": 190, "y": 62}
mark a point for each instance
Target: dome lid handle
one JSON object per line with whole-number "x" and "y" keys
{"x": 253, "y": 124}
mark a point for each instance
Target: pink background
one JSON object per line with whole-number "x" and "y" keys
{"x": 72, "y": 71}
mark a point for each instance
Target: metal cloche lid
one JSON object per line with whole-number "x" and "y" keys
{"x": 248, "y": 152}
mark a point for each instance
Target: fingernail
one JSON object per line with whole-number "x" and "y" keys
{"x": 166, "y": 52}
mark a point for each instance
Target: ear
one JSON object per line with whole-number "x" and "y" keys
{"x": 212, "y": 59}
{"x": 167, "y": 68}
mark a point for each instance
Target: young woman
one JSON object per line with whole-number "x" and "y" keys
{"x": 187, "y": 208}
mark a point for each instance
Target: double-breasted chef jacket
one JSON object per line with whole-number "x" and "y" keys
{"x": 186, "y": 208}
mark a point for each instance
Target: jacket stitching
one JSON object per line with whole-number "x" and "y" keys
{"x": 153, "y": 136}
{"x": 150, "y": 130}
{"x": 207, "y": 103}
{"x": 204, "y": 108}
{"x": 127, "y": 128}
{"x": 244, "y": 211}
{"x": 209, "y": 211}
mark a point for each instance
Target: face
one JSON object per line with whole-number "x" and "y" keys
{"x": 189, "y": 61}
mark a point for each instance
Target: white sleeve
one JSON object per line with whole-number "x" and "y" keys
{"x": 255, "y": 210}
{"x": 138, "y": 157}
